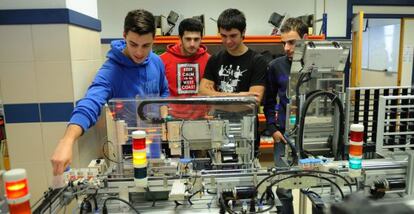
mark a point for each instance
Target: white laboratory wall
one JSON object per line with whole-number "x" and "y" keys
{"x": 47, "y": 64}
{"x": 371, "y": 78}
{"x": 25, "y": 4}
{"x": 385, "y": 78}
{"x": 384, "y": 9}
{"x": 86, "y": 7}
{"x": 336, "y": 10}
{"x": 257, "y": 13}
{"x": 408, "y": 53}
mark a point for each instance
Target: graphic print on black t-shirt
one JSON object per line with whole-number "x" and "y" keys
{"x": 233, "y": 74}
{"x": 229, "y": 78}
{"x": 188, "y": 78}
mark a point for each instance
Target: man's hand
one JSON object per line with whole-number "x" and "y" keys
{"x": 278, "y": 137}
{"x": 62, "y": 156}
{"x": 249, "y": 93}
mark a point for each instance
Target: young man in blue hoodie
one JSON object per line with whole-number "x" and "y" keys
{"x": 131, "y": 70}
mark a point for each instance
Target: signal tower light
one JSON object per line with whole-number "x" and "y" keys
{"x": 17, "y": 191}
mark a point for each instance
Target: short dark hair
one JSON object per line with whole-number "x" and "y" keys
{"x": 294, "y": 24}
{"x": 190, "y": 24}
{"x": 232, "y": 18}
{"x": 139, "y": 21}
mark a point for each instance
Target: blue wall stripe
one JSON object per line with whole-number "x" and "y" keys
{"x": 383, "y": 2}
{"x": 49, "y": 16}
{"x": 349, "y": 16}
{"x": 85, "y": 21}
{"x": 38, "y": 112}
{"x": 388, "y": 16}
{"x": 22, "y": 113}
{"x": 55, "y": 112}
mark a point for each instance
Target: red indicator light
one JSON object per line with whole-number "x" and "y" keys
{"x": 16, "y": 189}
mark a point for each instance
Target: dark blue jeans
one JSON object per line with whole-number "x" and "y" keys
{"x": 284, "y": 195}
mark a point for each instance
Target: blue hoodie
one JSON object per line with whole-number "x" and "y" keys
{"x": 120, "y": 77}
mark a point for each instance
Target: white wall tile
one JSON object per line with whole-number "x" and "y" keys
{"x": 25, "y": 143}
{"x": 51, "y": 134}
{"x": 372, "y": 78}
{"x": 95, "y": 44}
{"x": 18, "y": 82}
{"x": 84, "y": 43}
{"x": 37, "y": 178}
{"x": 79, "y": 43}
{"x": 38, "y": 4}
{"x": 54, "y": 81}
{"x": 90, "y": 144}
{"x": 89, "y": 8}
{"x": 104, "y": 50}
{"x": 83, "y": 72}
{"x": 51, "y": 42}
{"x": 16, "y": 43}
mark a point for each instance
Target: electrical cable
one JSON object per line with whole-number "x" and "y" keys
{"x": 304, "y": 171}
{"x": 223, "y": 204}
{"x": 177, "y": 203}
{"x": 105, "y": 210}
{"x": 294, "y": 150}
{"x": 82, "y": 205}
{"x": 104, "y": 153}
{"x": 312, "y": 192}
{"x": 211, "y": 193}
{"x": 272, "y": 196}
{"x": 334, "y": 98}
{"x": 308, "y": 175}
{"x": 152, "y": 196}
{"x": 189, "y": 198}
{"x": 189, "y": 100}
{"x": 299, "y": 83}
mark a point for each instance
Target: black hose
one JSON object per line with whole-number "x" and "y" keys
{"x": 224, "y": 206}
{"x": 294, "y": 150}
{"x": 309, "y": 175}
{"x": 105, "y": 210}
{"x": 301, "y": 80}
{"x": 335, "y": 99}
{"x": 191, "y": 101}
{"x": 302, "y": 172}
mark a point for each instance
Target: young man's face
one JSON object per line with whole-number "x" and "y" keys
{"x": 138, "y": 46}
{"x": 231, "y": 38}
{"x": 190, "y": 42}
{"x": 289, "y": 41}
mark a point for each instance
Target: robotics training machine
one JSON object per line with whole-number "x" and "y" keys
{"x": 196, "y": 154}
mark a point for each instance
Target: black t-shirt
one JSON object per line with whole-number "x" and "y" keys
{"x": 236, "y": 73}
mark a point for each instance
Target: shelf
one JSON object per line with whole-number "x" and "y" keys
{"x": 266, "y": 145}
{"x": 262, "y": 118}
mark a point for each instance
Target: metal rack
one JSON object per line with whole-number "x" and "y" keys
{"x": 395, "y": 125}
{"x": 362, "y": 106}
